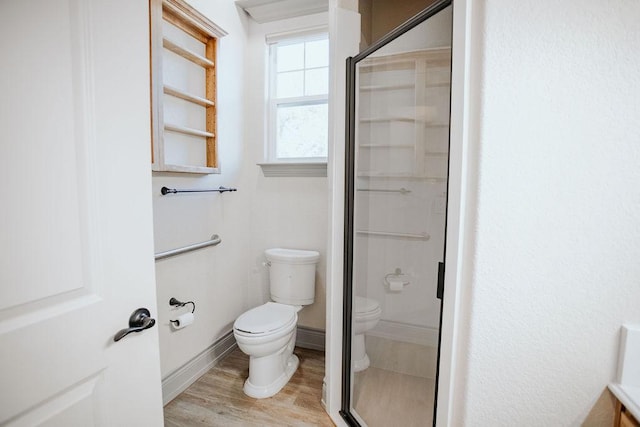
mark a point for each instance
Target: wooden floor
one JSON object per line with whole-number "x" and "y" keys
{"x": 217, "y": 399}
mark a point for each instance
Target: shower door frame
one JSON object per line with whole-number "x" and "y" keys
{"x": 349, "y": 205}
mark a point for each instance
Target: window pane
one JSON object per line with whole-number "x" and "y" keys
{"x": 317, "y": 54}
{"x": 302, "y": 131}
{"x": 316, "y": 81}
{"x": 290, "y": 57}
{"x": 289, "y": 84}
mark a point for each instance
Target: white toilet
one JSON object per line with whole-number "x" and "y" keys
{"x": 366, "y": 313}
{"x": 268, "y": 333}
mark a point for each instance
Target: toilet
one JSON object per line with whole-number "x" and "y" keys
{"x": 267, "y": 334}
{"x": 366, "y": 314}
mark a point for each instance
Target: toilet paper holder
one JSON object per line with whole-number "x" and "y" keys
{"x": 176, "y": 303}
{"x": 397, "y": 274}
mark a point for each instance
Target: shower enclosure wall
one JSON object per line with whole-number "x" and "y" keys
{"x": 397, "y": 162}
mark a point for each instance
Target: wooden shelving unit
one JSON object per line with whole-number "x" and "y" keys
{"x": 205, "y": 35}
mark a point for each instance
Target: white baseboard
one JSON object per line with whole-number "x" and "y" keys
{"x": 406, "y": 333}
{"x": 310, "y": 338}
{"x": 183, "y": 377}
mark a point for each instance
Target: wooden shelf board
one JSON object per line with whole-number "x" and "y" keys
{"x": 187, "y": 54}
{"x": 189, "y": 169}
{"x": 170, "y": 90}
{"x": 187, "y": 131}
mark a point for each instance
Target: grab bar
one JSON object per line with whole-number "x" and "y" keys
{"x": 215, "y": 240}
{"x": 421, "y": 236}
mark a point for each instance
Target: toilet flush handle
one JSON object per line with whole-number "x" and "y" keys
{"x": 266, "y": 264}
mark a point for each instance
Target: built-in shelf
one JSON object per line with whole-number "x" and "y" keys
{"x": 387, "y": 146}
{"x": 195, "y": 49}
{"x": 170, "y": 90}
{"x": 190, "y": 169}
{"x": 386, "y": 119}
{"x": 385, "y": 190}
{"x": 415, "y": 76}
{"x": 187, "y": 54}
{"x": 385, "y": 174}
{"x": 373, "y": 174}
{"x": 372, "y": 64}
{"x": 369, "y": 88}
{"x": 417, "y": 236}
{"x": 187, "y": 131}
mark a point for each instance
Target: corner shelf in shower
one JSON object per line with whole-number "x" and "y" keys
{"x": 387, "y": 119}
{"x": 418, "y": 236}
{"x": 397, "y": 86}
{"x": 387, "y": 146}
{"x": 403, "y": 90}
{"x": 429, "y": 179}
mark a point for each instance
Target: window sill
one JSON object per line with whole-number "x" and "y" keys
{"x": 290, "y": 169}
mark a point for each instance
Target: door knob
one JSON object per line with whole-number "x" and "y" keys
{"x": 139, "y": 321}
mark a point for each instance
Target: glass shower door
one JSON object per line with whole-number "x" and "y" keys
{"x": 396, "y": 219}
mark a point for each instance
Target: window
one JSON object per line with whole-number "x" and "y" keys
{"x": 183, "y": 76}
{"x": 298, "y": 95}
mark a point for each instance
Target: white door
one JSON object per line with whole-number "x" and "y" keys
{"x": 76, "y": 244}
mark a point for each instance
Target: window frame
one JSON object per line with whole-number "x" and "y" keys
{"x": 273, "y": 102}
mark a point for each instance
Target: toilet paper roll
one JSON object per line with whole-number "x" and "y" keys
{"x": 396, "y": 285}
{"x": 183, "y": 321}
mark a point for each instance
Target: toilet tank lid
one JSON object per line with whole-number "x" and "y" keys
{"x": 265, "y": 318}
{"x": 292, "y": 256}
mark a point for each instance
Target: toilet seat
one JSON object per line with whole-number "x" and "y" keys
{"x": 365, "y": 306}
{"x": 267, "y": 319}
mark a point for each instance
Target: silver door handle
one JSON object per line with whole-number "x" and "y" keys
{"x": 139, "y": 321}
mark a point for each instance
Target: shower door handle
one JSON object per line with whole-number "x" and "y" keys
{"x": 440, "y": 289}
{"x": 139, "y": 321}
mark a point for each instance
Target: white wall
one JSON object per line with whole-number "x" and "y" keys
{"x": 553, "y": 211}
{"x": 287, "y": 212}
{"x": 215, "y": 278}
{"x": 344, "y": 27}
{"x": 228, "y": 279}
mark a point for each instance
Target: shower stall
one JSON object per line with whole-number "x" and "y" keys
{"x": 396, "y": 200}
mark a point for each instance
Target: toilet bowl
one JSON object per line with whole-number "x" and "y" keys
{"x": 366, "y": 314}
{"x": 267, "y": 333}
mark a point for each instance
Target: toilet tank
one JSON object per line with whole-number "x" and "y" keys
{"x": 292, "y": 275}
